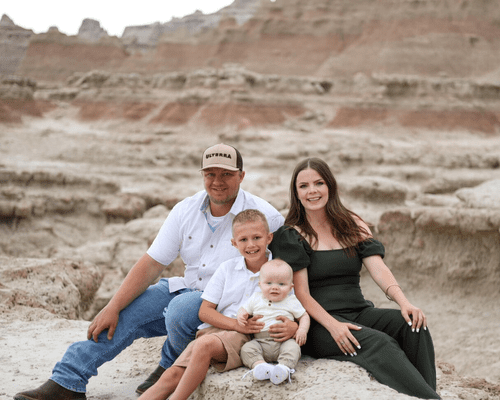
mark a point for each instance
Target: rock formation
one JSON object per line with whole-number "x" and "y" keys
{"x": 62, "y": 287}
{"x": 91, "y": 30}
{"x": 314, "y": 38}
{"x": 14, "y": 41}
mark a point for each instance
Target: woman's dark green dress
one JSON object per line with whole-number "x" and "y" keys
{"x": 390, "y": 351}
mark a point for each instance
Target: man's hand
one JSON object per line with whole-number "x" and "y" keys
{"x": 283, "y": 331}
{"x": 106, "y": 319}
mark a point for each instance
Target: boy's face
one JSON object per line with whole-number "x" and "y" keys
{"x": 251, "y": 240}
{"x": 275, "y": 283}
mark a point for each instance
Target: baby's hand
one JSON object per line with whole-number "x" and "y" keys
{"x": 301, "y": 337}
{"x": 242, "y": 317}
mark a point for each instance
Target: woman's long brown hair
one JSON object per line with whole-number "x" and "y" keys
{"x": 342, "y": 221}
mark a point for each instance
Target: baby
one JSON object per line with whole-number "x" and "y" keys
{"x": 275, "y": 281}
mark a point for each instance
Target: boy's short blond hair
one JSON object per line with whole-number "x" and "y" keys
{"x": 250, "y": 215}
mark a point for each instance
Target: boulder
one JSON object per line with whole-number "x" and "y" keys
{"x": 484, "y": 196}
{"x": 375, "y": 189}
{"x": 457, "y": 247}
{"x": 63, "y": 287}
{"x": 123, "y": 207}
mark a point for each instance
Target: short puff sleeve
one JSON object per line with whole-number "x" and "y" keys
{"x": 290, "y": 246}
{"x": 370, "y": 247}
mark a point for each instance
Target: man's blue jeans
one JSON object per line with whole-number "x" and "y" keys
{"x": 143, "y": 318}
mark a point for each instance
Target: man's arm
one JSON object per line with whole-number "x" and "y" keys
{"x": 142, "y": 274}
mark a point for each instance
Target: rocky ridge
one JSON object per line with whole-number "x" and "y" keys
{"x": 314, "y": 38}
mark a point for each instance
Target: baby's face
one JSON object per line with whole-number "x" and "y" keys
{"x": 275, "y": 283}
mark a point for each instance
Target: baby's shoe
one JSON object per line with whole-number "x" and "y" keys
{"x": 261, "y": 371}
{"x": 280, "y": 373}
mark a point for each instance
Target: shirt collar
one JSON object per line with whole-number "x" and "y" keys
{"x": 235, "y": 208}
{"x": 238, "y": 204}
{"x": 241, "y": 261}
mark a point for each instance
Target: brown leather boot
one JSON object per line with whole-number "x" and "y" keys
{"x": 49, "y": 391}
{"x": 155, "y": 375}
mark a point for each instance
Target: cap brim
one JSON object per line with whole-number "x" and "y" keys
{"x": 223, "y": 166}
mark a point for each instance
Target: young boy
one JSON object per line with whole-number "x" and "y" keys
{"x": 275, "y": 281}
{"x": 219, "y": 340}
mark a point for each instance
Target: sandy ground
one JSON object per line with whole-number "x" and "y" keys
{"x": 33, "y": 341}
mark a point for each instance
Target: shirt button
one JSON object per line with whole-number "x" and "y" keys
{"x": 190, "y": 237}
{"x": 203, "y": 265}
{"x": 199, "y": 279}
{"x": 211, "y": 245}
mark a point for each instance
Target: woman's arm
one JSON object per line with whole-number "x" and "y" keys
{"x": 384, "y": 278}
{"x": 340, "y": 331}
{"x": 209, "y": 314}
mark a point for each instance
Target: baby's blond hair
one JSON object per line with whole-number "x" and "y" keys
{"x": 276, "y": 263}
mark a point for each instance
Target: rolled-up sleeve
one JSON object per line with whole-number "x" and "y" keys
{"x": 165, "y": 248}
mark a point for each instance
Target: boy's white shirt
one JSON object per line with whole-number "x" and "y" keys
{"x": 289, "y": 307}
{"x": 231, "y": 285}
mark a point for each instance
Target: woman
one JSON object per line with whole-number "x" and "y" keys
{"x": 326, "y": 244}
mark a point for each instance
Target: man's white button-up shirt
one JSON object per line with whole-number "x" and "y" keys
{"x": 187, "y": 232}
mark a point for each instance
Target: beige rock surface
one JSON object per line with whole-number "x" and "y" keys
{"x": 446, "y": 257}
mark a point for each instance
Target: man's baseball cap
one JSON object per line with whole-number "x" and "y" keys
{"x": 222, "y": 156}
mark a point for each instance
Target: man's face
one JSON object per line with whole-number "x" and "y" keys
{"x": 222, "y": 185}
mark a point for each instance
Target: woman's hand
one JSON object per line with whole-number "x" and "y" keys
{"x": 341, "y": 333}
{"x": 281, "y": 332}
{"x": 417, "y": 320}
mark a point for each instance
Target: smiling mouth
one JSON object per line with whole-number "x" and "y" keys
{"x": 252, "y": 252}
{"x": 314, "y": 199}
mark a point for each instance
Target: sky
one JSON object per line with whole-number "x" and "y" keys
{"x": 113, "y": 15}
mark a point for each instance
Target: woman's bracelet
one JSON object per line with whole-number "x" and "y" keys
{"x": 387, "y": 291}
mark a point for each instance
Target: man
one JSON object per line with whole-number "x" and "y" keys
{"x": 199, "y": 229}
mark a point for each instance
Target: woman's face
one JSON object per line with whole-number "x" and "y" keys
{"x": 311, "y": 190}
